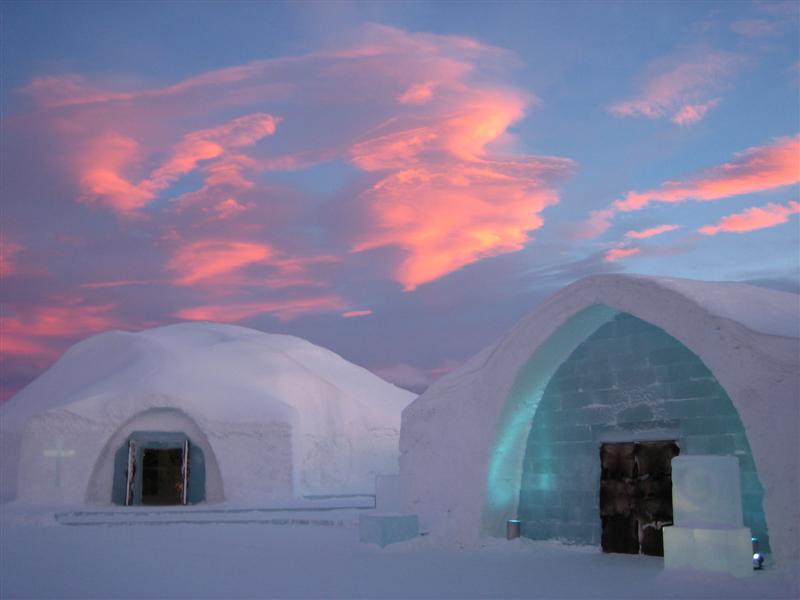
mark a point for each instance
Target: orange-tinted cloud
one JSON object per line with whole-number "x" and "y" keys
{"x": 757, "y": 217}
{"x": 103, "y": 173}
{"x": 754, "y": 170}
{"x": 33, "y": 330}
{"x": 617, "y": 254}
{"x": 109, "y": 156}
{"x": 680, "y": 90}
{"x": 229, "y": 208}
{"x": 419, "y": 93}
{"x": 448, "y": 200}
{"x": 435, "y": 143}
{"x": 650, "y": 232}
{"x": 447, "y": 219}
{"x": 206, "y": 260}
{"x": 285, "y": 309}
{"x": 219, "y": 266}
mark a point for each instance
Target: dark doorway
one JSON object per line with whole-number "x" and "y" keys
{"x": 162, "y": 477}
{"x": 636, "y": 495}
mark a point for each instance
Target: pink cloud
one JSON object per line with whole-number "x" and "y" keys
{"x": 597, "y": 224}
{"x": 37, "y": 330}
{"x": 419, "y": 93}
{"x": 754, "y": 170}
{"x": 448, "y": 201}
{"x": 617, "y": 254}
{"x": 692, "y": 113}
{"x": 74, "y": 89}
{"x": 680, "y": 90}
{"x": 435, "y": 142}
{"x": 109, "y": 155}
{"x": 652, "y": 231}
{"x": 229, "y": 207}
{"x": 97, "y": 285}
{"x": 8, "y": 250}
{"x": 103, "y": 178}
{"x": 446, "y": 219}
{"x": 284, "y": 310}
{"x": 759, "y": 217}
{"x": 356, "y": 313}
{"x": 205, "y": 261}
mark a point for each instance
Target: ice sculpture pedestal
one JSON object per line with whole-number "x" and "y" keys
{"x": 387, "y": 528}
{"x": 707, "y": 510}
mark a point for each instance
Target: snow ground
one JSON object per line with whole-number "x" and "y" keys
{"x": 226, "y": 560}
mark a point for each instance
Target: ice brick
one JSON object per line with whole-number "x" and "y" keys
{"x": 728, "y": 550}
{"x": 385, "y": 529}
{"x": 706, "y": 491}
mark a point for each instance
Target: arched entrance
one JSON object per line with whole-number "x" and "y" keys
{"x": 603, "y": 376}
{"x": 159, "y": 456}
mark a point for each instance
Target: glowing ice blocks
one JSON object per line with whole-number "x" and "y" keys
{"x": 706, "y": 491}
{"x": 728, "y": 550}
{"x": 385, "y": 529}
{"x": 707, "y": 512}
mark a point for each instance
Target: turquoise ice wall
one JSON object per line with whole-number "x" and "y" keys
{"x": 627, "y": 381}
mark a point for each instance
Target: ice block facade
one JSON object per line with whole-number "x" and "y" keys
{"x": 627, "y": 381}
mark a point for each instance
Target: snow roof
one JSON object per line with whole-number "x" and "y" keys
{"x": 224, "y": 372}
{"x": 759, "y": 309}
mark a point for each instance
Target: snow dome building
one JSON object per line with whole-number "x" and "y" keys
{"x": 569, "y": 422}
{"x": 198, "y": 412}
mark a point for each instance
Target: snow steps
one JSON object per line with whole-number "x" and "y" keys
{"x": 335, "y": 517}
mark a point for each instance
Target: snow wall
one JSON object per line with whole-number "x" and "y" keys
{"x": 464, "y": 441}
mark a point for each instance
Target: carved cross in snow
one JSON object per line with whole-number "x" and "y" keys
{"x": 58, "y": 453}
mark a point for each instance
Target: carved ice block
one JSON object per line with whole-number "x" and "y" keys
{"x": 706, "y": 492}
{"x": 387, "y": 528}
{"x": 727, "y": 550}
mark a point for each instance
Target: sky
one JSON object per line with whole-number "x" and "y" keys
{"x": 398, "y": 181}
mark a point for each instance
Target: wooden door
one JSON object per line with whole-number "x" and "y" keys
{"x": 636, "y": 495}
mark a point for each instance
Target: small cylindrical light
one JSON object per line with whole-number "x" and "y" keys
{"x": 512, "y": 529}
{"x": 758, "y": 558}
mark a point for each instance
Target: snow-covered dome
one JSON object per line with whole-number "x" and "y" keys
{"x": 271, "y": 415}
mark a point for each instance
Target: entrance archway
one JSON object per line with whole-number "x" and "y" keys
{"x": 156, "y": 429}
{"x": 608, "y": 376}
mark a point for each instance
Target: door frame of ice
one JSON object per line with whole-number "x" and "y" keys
{"x": 130, "y": 472}
{"x": 138, "y": 442}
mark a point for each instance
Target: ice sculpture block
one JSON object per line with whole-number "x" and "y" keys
{"x": 729, "y": 550}
{"x": 706, "y": 491}
{"x": 385, "y": 528}
{"x": 707, "y": 511}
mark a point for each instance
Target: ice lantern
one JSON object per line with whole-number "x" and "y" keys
{"x": 707, "y": 510}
